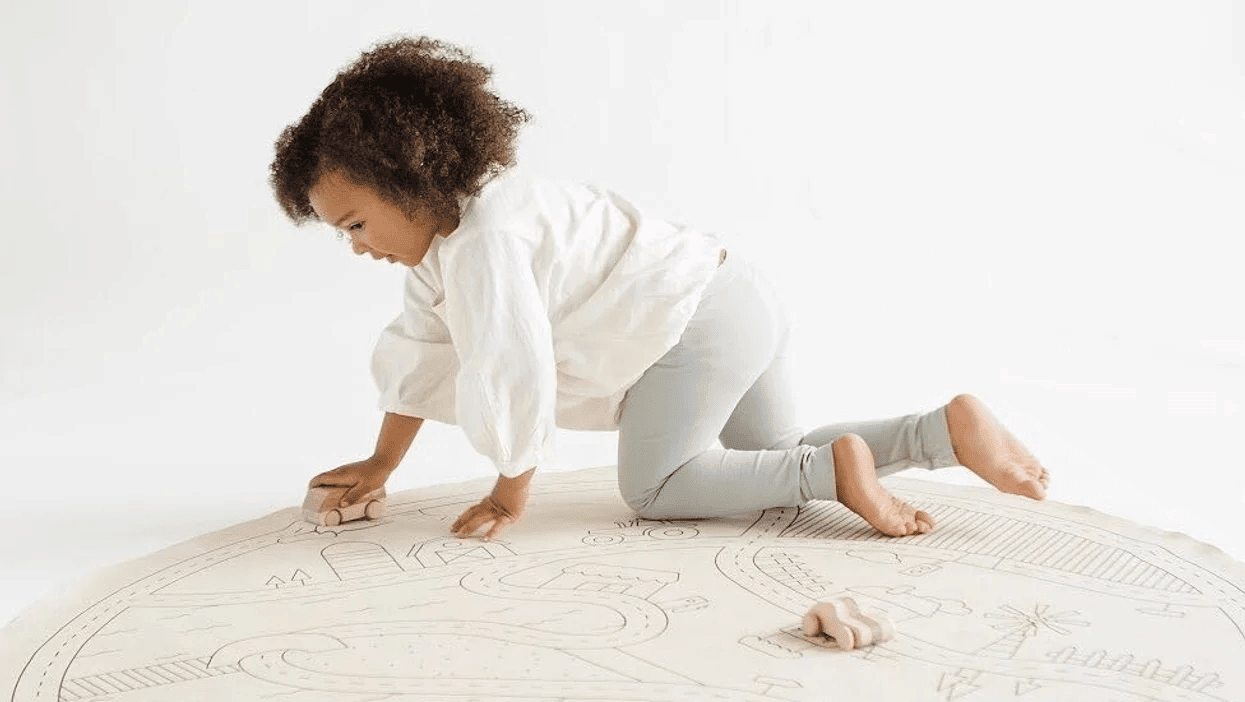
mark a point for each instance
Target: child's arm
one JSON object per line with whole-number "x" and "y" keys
{"x": 362, "y": 477}
{"x": 396, "y": 434}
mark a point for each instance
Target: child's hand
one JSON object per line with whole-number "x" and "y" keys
{"x": 361, "y": 477}
{"x": 502, "y": 508}
{"x": 483, "y": 512}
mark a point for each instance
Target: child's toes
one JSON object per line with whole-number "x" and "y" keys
{"x": 1033, "y": 488}
{"x": 925, "y": 523}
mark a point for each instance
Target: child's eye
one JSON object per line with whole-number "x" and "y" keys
{"x": 356, "y": 226}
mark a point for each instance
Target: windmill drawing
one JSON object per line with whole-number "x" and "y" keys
{"x": 1017, "y": 626}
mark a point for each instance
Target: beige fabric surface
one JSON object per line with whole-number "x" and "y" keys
{"x": 1008, "y": 599}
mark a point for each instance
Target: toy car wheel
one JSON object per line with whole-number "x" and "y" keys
{"x": 375, "y": 510}
{"x": 333, "y": 518}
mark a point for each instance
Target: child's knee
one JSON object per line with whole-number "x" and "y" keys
{"x": 638, "y": 497}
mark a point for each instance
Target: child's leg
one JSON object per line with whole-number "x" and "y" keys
{"x": 961, "y": 432}
{"x": 765, "y": 419}
{"x": 668, "y": 462}
{"x": 911, "y": 441}
{"x": 669, "y": 466}
{"x": 727, "y": 376}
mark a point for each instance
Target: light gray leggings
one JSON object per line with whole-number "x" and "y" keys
{"x": 727, "y": 379}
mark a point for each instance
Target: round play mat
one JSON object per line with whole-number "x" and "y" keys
{"x": 1008, "y": 599}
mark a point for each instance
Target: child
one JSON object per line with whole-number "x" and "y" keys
{"x": 531, "y": 304}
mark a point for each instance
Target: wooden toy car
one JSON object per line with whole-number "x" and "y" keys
{"x": 842, "y": 620}
{"x": 321, "y": 506}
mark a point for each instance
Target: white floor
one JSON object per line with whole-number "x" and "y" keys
{"x": 1135, "y": 429}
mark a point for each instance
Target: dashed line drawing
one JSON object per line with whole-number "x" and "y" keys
{"x": 1167, "y": 610}
{"x": 583, "y": 600}
{"x": 789, "y": 569}
{"x": 691, "y": 603}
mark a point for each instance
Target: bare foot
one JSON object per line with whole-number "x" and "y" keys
{"x": 983, "y": 446}
{"x": 858, "y": 489}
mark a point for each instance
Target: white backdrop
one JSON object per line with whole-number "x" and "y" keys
{"x": 1034, "y": 202}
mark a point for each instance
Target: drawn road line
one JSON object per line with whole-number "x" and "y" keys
{"x": 274, "y": 667}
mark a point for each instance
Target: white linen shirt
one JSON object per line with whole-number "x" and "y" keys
{"x": 540, "y": 310}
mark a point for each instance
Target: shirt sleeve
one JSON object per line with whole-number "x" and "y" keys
{"x": 506, "y": 389}
{"x": 414, "y": 365}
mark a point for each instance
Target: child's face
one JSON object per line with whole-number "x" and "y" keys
{"x": 375, "y": 226}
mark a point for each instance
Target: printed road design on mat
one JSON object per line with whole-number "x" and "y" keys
{"x": 1006, "y": 599}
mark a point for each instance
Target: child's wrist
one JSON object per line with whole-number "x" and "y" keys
{"x": 512, "y": 492}
{"x": 521, "y": 479}
{"x": 382, "y": 465}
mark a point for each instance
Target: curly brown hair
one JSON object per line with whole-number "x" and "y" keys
{"x": 410, "y": 118}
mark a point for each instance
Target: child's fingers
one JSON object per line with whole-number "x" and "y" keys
{"x": 329, "y": 479}
{"x": 472, "y": 520}
{"x": 500, "y": 524}
{"x": 470, "y": 528}
{"x": 458, "y": 523}
{"x": 467, "y": 515}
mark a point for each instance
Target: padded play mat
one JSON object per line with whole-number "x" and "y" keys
{"x": 1008, "y": 599}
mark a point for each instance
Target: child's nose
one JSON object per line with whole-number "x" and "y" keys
{"x": 361, "y": 249}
